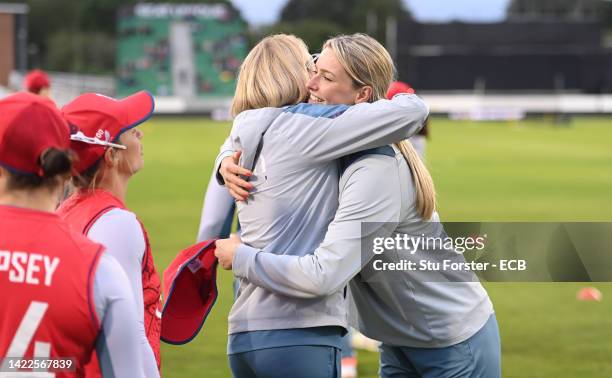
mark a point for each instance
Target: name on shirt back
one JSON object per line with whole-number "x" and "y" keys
{"x": 28, "y": 268}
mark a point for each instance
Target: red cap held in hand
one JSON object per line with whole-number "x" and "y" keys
{"x": 190, "y": 291}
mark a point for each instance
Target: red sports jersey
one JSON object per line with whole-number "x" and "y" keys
{"x": 46, "y": 279}
{"x": 81, "y": 211}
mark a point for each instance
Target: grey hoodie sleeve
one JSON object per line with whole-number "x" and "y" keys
{"x": 339, "y": 257}
{"x": 325, "y": 136}
{"x": 321, "y": 133}
{"x": 217, "y": 212}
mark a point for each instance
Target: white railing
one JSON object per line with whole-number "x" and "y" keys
{"x": 66, "y": 86}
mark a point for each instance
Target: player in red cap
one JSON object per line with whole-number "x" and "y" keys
{"x": 109, "y": 150}
{"x": 419, "y": 140}
{"x": 60, "y": 292}
{"x": 37, "y": 82}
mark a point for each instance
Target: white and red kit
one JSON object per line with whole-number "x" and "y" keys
{"x": 47, "y": 277}
{"x": 104, "y": 218}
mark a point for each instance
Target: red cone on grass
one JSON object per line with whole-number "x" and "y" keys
{"x": 589, "y": 294}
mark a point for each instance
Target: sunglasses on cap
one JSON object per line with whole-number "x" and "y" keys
{"x": 80, "y": 137}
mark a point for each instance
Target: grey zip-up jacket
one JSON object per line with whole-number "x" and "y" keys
{"x": 401, "y": 308}
{"x": 295, "y": 180}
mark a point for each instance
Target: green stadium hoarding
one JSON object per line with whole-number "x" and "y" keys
{"x": 180, "y": 50}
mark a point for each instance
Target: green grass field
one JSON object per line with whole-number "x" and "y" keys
{"x": 528, "y": 171}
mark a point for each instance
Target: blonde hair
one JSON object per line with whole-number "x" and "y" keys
{"x": 368, "y": 63}
{"x": 424, "y": 186}
{"x": 365, "y": 60}
{"x": 90, "y": 177}
{"x": 273, "y": 74}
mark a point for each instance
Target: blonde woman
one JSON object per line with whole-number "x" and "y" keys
{"x": 109, "y": 150}
{"x": 432, "y": 324}
{"x": 293, "y": 149}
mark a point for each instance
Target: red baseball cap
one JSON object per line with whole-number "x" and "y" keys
{"x": 29, "y": 125}
{"x": 190, "y": 291}
{"x": 97, "y": 122}
{"x": 398, "y": 87}
{"x": 36, "y": 80}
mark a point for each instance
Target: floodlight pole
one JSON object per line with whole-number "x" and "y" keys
{"x": 391, "y": 37}
{"x": 372, "y": 23}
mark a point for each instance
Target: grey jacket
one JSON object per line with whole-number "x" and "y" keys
{"x": 402, "y": 308}
{"x": 296, "y": 192}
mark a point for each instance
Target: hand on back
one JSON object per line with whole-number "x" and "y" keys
{"x": 234, "y": 176}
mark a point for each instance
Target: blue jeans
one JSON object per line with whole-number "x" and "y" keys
{"x": 477, "y": 357}
{"x": 300, "y": 361}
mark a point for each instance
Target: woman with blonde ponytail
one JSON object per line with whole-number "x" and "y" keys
{"x": 431, "y": 324}
{"x": 423, "y": 183}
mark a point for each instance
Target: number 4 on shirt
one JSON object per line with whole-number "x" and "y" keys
{"x": 25, "y": 332}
